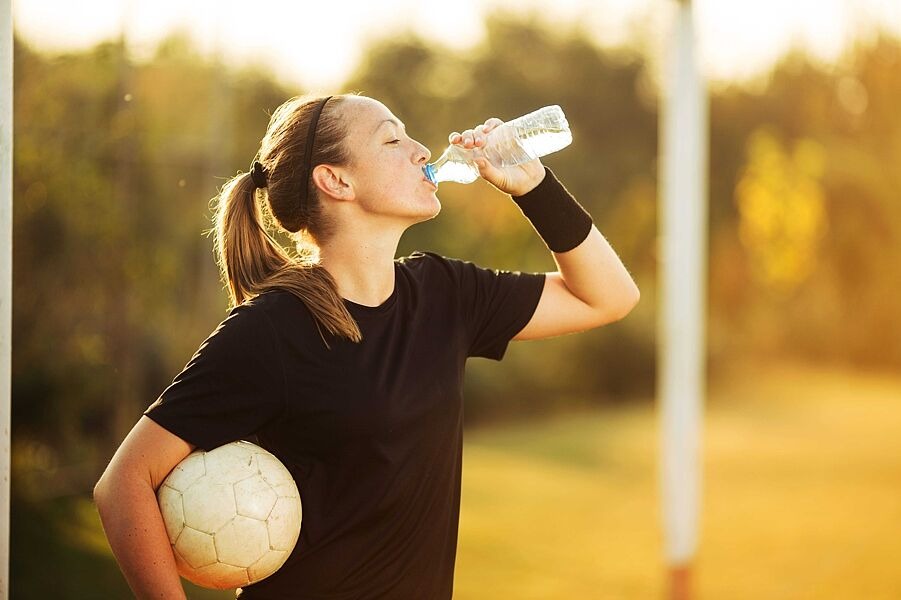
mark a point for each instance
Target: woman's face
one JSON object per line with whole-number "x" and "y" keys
{"x": 386, "y": 164}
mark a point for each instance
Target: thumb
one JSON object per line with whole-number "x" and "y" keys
{"x": 491, "y": 174}
{"x": 486, "y": 169}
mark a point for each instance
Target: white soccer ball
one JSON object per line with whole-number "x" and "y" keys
{"x": 232, "y": 514}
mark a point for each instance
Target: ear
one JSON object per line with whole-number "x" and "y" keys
{"x": 334, "y": 182}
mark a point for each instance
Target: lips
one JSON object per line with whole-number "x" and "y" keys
{"x": 430, "y": 183}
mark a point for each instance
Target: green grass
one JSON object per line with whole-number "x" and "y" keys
{"x": 801, "y": 496}
{"x": 801, "y": 499}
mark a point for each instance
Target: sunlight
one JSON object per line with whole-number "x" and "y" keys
{"x": 737, "y": 38}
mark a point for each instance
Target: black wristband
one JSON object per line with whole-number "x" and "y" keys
{"x": 555, "y": 214}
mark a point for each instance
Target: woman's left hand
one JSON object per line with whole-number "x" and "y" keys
{"x": 516, "y": 180}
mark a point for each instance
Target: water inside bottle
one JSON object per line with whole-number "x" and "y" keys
{"x": 527, "y": 143}
{"x": 543, "y": 141}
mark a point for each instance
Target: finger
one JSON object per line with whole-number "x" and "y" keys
{"x": 482, "y": 131}
{"x": 489, "y": 172}
{"x": 491, "y": 123}
{"x": 480, "y": 136}
{"x": 461, "y": 139}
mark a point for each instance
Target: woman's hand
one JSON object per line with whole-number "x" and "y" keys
{"x": 516, "y": 180}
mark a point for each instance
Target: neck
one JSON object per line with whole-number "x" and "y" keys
{"x": 362, "y": 266}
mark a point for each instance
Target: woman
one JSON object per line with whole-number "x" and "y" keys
{"x": 348, "y": 366}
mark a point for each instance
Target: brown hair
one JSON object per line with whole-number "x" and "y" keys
{"x": 250, "y": 260}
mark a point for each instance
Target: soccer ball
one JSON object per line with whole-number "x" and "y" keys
{"x": 232, "y": 514}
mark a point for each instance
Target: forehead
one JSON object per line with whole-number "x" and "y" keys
{"x": 367, "y": 115}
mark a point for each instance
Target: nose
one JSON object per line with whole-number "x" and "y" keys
{"x": 423, "y": 155}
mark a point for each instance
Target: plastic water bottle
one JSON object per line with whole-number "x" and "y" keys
{"x": 520, "y": 140}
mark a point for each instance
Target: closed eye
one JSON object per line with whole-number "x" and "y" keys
{"x": 394, "y": 142}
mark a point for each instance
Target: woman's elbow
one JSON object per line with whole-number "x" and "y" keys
{"x": 101, "y": 489}
{"x": 626, "y": 301}
{"x": 113, "y": 480}
{"x": 633, "y": 297}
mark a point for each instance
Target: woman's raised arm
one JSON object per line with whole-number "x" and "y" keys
{"x": 592, "y": 288}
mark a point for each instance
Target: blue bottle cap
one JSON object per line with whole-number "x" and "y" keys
{"x": 429, "y": 171}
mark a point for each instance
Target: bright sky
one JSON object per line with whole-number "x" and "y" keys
{"x": 317, "y": 44}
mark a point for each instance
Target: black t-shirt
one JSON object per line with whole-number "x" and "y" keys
{"x": 372, "y": 432}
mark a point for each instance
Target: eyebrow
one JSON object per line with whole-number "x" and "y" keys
{"x": 395, "y": 121}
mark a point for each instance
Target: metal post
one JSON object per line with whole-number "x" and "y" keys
{"x": 6, "y": 276}
{"x": 683, "y": 192}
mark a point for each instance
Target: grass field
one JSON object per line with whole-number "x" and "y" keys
{"x": 801, "y": 500}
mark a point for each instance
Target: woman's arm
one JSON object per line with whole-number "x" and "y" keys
{"x": 592, "y": 287}
{"x": 125, "y": 497}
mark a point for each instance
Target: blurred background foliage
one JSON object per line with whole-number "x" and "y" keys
{"x": 116, "y": 161}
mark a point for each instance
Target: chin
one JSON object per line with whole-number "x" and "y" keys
{"x": 431, "y": 213}
{"x": 437, "y": 208}
{"x": 429, "y": 217}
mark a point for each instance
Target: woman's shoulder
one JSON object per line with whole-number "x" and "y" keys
{"x": 275, "y": 307}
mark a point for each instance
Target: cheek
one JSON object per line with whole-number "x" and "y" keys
{"x": 385, "y": 185}
{"x": 388, "y": 174}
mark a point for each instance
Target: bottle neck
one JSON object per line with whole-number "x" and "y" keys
{"x": 431, "y": 169}
{"x": 434, "y": 170}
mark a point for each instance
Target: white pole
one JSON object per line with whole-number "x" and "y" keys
{"x": 6, "y": 276}
{"x": 683, "y": 193}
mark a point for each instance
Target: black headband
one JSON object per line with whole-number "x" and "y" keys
{"x": 308, "y": 154}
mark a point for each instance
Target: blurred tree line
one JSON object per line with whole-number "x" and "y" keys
{"x": 116, "y": 161}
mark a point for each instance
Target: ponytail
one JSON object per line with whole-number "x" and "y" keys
{"x": 252, "y": 262}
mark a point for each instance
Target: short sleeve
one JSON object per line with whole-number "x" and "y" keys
{"x": 232, "y": 387}
{"x": 496, "y": 305}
